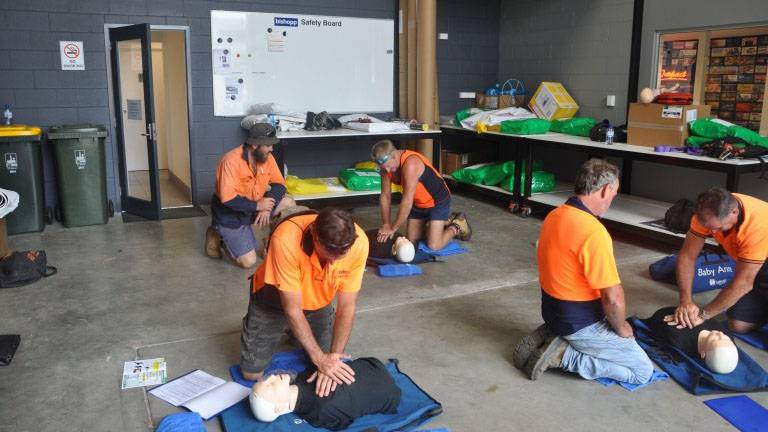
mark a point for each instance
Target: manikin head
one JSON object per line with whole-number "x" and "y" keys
{"x": 383, "y": 153}
{"x": 717, "y": 209}
{"x": 261, "y": 138}
{"x": 597, "y": 183}
{"x": 272, "y": 397}
{"x": 403, "y": 250}
{"x": 647, "y": 95}
{"x": 718, "y": 351}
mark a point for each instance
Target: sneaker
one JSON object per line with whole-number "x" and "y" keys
{"x": 212, "y": 243}
{"x": 528, "y": 344}
{"x": 465, "y": 230}
{"x": 451, "y": 218}
{"x": 547, "y": 357}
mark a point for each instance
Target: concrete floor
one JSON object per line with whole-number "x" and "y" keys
{"x": 146, "y": 289}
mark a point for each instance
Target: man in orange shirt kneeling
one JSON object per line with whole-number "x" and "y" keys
{"x": 582, "y": 301}
{"x": 310, "y": 258}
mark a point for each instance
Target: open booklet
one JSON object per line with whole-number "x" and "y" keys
{"x": 202, "y": 393}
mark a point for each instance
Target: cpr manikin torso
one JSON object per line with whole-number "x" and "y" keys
{"x": 374, "y": 391}
{"x": 708, "y": 341}
{"x": 397, "y": 247}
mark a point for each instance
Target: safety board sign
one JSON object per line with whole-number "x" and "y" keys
{"x": 72, "y": 56}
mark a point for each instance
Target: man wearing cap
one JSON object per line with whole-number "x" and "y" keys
{"x": 426, "y": 201}
{"x": 250, "y": 190}
{"x": 311, "y": 259}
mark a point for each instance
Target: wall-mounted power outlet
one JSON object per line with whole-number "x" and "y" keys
{"x": 466, "y": 95}
{"x": 610, "y": 100}
{"x": 443, "y": 36}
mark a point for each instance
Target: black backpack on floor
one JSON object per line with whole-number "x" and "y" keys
{"x": 678, "y": 217}
{"x": 24, "y": 268}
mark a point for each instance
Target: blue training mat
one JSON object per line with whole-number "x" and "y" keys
{"x": 656, "y": 376}
{"x": 392, "y": 270}
{"x": 742, "y": 412}
{"x": 181, "y": 422}
{"x": 692, "y": 374}
{"x": 452, "y": 248}
{"x": 416, "y": 408}
{"x": 757, "y": 338}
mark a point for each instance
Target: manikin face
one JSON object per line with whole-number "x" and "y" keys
{"x": 261, "y": 152}
{"x": 275, "y": 389}
{"x": 714, "y": 224}
{"x": 403, "y": 250}
{"x": 710, "y": 340}
{"x": 606, "y": 195}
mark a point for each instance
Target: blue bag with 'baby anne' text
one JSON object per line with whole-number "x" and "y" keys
{"x": 712, "y": 271}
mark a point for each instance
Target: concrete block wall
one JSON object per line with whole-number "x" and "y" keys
{"x": 583, "y": 44}
{"x": 31, "y": 79}
{"x": 469, "y": 59}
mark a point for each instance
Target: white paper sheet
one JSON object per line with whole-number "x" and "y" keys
{"x": 183, "y": 389}
{"x": 217, "y": 400}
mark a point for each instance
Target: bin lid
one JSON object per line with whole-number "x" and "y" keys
{"x": 79, "y": 130}
{"x": 17, "y": 133}
{"x": 19, "y": 130}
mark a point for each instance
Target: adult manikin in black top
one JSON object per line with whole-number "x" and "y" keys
{"x": 373, "y": 392}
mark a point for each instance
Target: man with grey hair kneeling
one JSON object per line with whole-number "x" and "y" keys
{"x": 582, "y": 301}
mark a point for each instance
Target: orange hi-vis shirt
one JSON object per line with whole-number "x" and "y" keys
{"x": 431, "y": 189}
{"x": 575, "y": 260}
{"x": 292, "y": 265}
{"x": 748, "y": 240}
{"x": 234, "y": 176}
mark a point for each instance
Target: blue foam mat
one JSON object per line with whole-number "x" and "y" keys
{"x": 416, "y": 408}
{"x": 742, "y": 412}
{"x": 757, "y": 338}
{"x": 693, "y": 375}
{"x": 452, "y": 248}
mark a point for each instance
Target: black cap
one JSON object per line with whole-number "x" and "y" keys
{"x": 262, "y": 134}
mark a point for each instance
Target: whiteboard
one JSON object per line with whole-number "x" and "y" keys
{"x": 303, "y": 62}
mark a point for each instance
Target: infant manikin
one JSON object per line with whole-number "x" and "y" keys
{"x": 647, "y": 95}
{"x": 374, "y": 391}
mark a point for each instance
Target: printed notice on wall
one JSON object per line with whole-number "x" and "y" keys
{"x": 222, "y": 61}
{"x": 275, "y": 43}
{"x": 72, "y": 56}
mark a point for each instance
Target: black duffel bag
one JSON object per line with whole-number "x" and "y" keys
{"x": 23, "y": 268}
{"x": 678, "y": 217}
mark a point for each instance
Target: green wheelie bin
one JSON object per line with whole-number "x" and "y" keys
{"x": 81, "y": 174}
{"x": 22, "y": 172}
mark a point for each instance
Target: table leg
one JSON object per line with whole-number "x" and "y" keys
{"x": 626, "y": 177}
{"x": 732, "y": 180}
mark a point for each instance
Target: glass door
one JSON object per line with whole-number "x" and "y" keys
{"x": 136, "y": 130}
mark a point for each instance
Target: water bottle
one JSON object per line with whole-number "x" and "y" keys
{"x": 609, "y": 136}
{"x": 8, "y": 115}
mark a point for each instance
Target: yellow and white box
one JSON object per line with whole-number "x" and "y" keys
{"x": 551, "y": 102}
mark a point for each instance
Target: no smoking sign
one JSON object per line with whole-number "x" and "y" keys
{"x": 71, "y": 55}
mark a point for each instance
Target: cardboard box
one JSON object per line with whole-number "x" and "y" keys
{"x": 494, "y": 102}
{"x": 655, "y": 124}
{"x": 551, "y": 102}
{"x": 451, "y": 162}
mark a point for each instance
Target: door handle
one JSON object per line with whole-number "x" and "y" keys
{"x": 151, "y": 132}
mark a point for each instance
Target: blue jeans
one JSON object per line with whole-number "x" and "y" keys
{"x": 598, "y": 352}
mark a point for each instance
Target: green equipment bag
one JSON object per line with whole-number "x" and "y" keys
{"x": 360, "y": 179}
{"x": 498, "y": 172}
{"x": 473, "y": 175}
{"x": 543, "y": 181}
{"x": 578, "y": 126}
{"x": 747, "y": 135}
{"x": 462, "y": 114}
{"x": 707, "y": 128}
{"x": 525, "y": 127}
